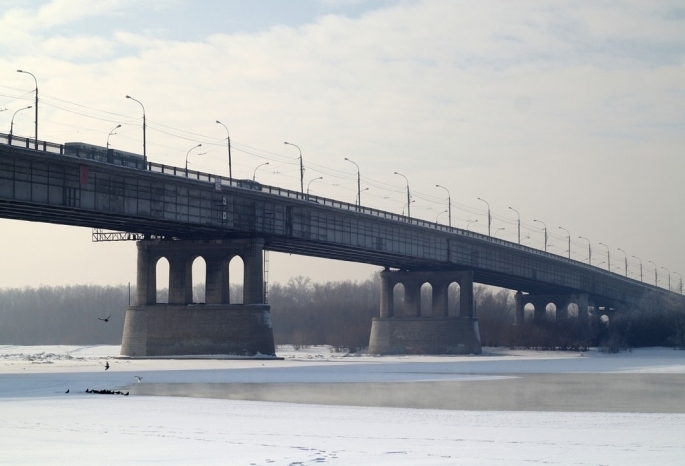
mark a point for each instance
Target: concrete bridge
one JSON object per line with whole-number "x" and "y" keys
{"x": 182, "y": 214}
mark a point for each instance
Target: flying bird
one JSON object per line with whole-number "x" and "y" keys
{"x": 106, "y": 319}
{"x": 107, "y": 365}
{"x": 139, "y": 378}
{"x": 67, "y": 391}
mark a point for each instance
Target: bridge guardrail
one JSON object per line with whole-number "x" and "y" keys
{"x": 45, "y": 146}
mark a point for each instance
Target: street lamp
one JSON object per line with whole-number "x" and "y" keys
{"x": 228, "y": 138}
{"x": 111, "y": 133}
{"x": 489, "y": 216}
{"x": 310, "y": 183}
{"x": 656, "y": 275}
{"x": 36, "y": 104}
{"x": 144, "y": 146}
{"x": 469, "y": 224}
{"x": 545, "y": 227}
{"x": 405, "y": 206}
{"x": 188, "y": 153}
{"x": 589, "y": 250}
{"x": 254, "y": 175}
{"x": 359, "y": 185}
{"x": 625, "y": 257}
{"x": 436, "y": 217}
{"x": 519, "y": 222}
{"x": 669, "y": 277}
{"x": 12, "y": 122}
{"x": 608, "y": 257}
{"x": 640, "y": 266}
{"x": 408, "y": 196}
{"x": 449, "y": 202}
{"x": 498, "y": 230}
{"x": 569, "y": 240}
{"x": 301, "y": 166}
{"x": 681, "y": 282}
{"x": 365, "y": 189}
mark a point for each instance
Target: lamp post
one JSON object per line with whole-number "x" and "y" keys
{"x": 669, "y": 277}
{"x": 301, "y": 166}
{"x": 408, "y": 196}
{"x": 144, "y": 146}
{"x": 489, "y": 216}
{"x": 656, "y": 275}
{"x": 436, "y": 217}
{"x": 589, "y": 250}
{"x": 406, "y": 206}
{"x": 681, "y": 282}
{"x": 545, "y": 227}
{"x": 365, "y": 189}
{"x": 36, "y": 104}
{"x": 449, "y": 202}
{"x": 498, "y": 230}
{"x": 640, "y": 266}
{"x": 608, "y": 257}
{"x": 359, "y": 181}
{"x": 12, "y": 122}
{"x": 519, "y": 222}
{"x": 111, "y": 133}
{"x": 625, "y": 258}
{"x": 188, "y": 153}
{"x": 254, "y": 175}
{"x": 569, "y": 240}
{"x": 468, "y": 225}
{"x": 228, "y": 138}
{"x": 310, "y": 183}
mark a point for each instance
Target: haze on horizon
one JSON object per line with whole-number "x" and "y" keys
{"x": 572, "y": 113}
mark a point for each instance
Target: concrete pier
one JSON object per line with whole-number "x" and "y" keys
{"x": 181, "y": 327}
{"x": 425, "y": 331}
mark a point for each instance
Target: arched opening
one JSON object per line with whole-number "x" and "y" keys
{"x": 604, "y": 320}
{"x": 162, "y": 280}
{"x": 550, "y": 312}
{"x": 573, "y": 310}
{"x": 528, "y": 312}
{"x": 236, "y": 279}
{"x": 398, "y": 299}
{"x": 453, "y": 295}
{"x": 426, "y": 299}
{"x": 199, "y": 275}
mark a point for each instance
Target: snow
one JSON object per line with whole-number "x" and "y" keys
{"x": 40, "y": 424}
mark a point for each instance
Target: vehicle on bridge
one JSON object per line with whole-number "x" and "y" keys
{"x": 104, "y": 154}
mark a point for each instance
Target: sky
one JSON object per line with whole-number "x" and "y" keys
{"x": 570, "y": 112}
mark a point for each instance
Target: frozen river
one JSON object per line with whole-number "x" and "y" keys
{"x": 319, "y": 407}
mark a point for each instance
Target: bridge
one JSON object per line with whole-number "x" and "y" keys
{"x": 181, "y": 214}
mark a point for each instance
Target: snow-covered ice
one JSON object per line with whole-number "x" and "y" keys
{"x": 40, "y": 424}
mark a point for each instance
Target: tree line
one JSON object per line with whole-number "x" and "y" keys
{"x": 333, "y": 313}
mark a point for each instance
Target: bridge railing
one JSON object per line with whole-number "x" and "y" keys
{"x": 217, "y": 180}
{"x": 30, "y": 143}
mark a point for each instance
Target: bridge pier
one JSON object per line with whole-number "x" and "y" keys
{"x": 181, "y": 327}
{"x": 425, "y": 331}
{"x": 540, "y": 301}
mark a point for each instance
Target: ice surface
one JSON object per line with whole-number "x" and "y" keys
{"x": 40, "y": 424}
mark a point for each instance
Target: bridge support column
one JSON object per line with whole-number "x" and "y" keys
{"x": 182, "y": 327}
{"x": 518, "y": 307}
{"x": 417, "y": 333}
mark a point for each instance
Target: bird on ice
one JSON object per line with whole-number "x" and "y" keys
{"x": 67, "y": 391}
{"x": 107, "y": 365}
{"x": 105, "y": 319}
{"x": 138, "y": 378}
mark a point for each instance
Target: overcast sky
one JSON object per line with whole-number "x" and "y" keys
{"x": 572, "y": 113}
